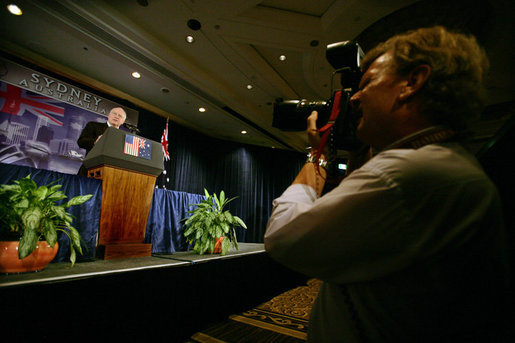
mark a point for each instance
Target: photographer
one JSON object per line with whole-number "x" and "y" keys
{"x": 410, "y": 245}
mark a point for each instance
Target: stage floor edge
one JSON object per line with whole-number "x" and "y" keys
{"x": 63, "y": 271}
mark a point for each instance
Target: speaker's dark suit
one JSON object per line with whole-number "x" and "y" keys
{"x": 88, "y": 137}
{"x": 90, "y": 134}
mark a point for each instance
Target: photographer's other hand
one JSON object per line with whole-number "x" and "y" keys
{"x": 313, "y": 135}
{"x": 311, "y": 174}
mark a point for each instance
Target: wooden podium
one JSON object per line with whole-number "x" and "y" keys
{"x": 127, "y": 187}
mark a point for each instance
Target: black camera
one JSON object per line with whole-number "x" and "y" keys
{"x": 291, "y": 115}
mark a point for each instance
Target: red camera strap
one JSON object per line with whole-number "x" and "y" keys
{"x": 326, "y": 129}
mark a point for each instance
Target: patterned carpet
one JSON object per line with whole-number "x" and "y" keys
{"x": 283, "y": 319}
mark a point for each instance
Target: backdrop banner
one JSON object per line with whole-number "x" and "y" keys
{"x": 41, "y": 119}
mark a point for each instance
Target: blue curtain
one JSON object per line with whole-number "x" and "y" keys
{"x": 167, "y": 210}
{"x": 256, "y": 175}
{"x": 87, "y": 215}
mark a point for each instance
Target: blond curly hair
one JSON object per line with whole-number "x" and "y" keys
{"x": 454, "y": 94}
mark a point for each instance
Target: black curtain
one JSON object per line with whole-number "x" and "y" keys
{"x": 256, "y": 175}
{"x": 496, "y": 157}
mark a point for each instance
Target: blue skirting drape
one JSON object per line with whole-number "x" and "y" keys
{"x": 164, "y": 226}
{"x": 87, "y": 215}
{"x": 164, "y": 220}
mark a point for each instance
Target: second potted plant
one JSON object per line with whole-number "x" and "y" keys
{"x": 209, "y": 226}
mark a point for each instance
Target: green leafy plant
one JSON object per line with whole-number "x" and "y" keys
{"x": 31, "y": 212}
{"x": 208, "y": 222}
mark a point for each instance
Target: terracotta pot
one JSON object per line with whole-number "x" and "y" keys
{"x": 40, "y": 257}
{"x": 218, "y": 246}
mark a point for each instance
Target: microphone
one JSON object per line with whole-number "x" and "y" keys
{"x": 132, "y": 128}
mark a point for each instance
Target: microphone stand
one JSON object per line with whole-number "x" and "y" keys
{"x": 132, "y": 128}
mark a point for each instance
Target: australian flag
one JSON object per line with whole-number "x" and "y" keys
{"x": 137, "y": 146}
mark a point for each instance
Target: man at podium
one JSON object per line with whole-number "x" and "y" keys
{"x": 94, "y": 130}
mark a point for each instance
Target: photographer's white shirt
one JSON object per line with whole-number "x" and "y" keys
{"x": 405, "y": 246}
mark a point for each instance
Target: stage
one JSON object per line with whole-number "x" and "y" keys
{"x": 63, "y": 271}
{"x": 167, "y": 296}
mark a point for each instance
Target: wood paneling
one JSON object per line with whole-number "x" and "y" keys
{"x": 126, "y": 199}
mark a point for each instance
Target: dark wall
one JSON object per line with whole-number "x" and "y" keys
{"x": 497, "y": 160}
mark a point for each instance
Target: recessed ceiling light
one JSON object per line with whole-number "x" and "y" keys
{"x": 190, "y": 39}
{"x": 243, "y": 132}
{"x": 136, "y": 75}
{"x": 14, "y": 9}
{"x": 249, "y": 86}
{"x": 202, "y": 109}
{"x": 282, "y": 57}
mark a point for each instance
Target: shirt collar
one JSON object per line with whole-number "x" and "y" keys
{"x": 109, "y": 125}
{"x": 430, "y": 135}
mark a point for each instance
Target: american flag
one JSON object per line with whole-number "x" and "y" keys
{"x": 138, "y": 147}
{"x": 16, "y": 101}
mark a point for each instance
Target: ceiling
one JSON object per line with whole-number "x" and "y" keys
{"x": 100, "y": 43}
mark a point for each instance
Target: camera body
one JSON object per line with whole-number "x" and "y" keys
{"x": 291, "y": 115}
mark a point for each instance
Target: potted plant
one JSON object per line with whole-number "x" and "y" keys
{"x": 29, "y": 213}
{"x": 211, "y": 228}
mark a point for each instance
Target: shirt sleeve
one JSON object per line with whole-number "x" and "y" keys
{"x": 295, "y": 199}
{"x": 353, "y": 233}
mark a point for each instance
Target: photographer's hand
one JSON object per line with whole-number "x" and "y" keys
{"x": 311, "y": 175}
{"x": 313, "y": 135}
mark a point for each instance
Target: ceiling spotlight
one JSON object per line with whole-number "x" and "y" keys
{"x": 202, "y": 109}
{"x": 249, "y": 86}
{"x": 136, "y": 75}
{"x": 243, "y": 132}
{"x": 282, "y": 57}
{"x": 190, "y": 39}
{"x": 14, "y": 9}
